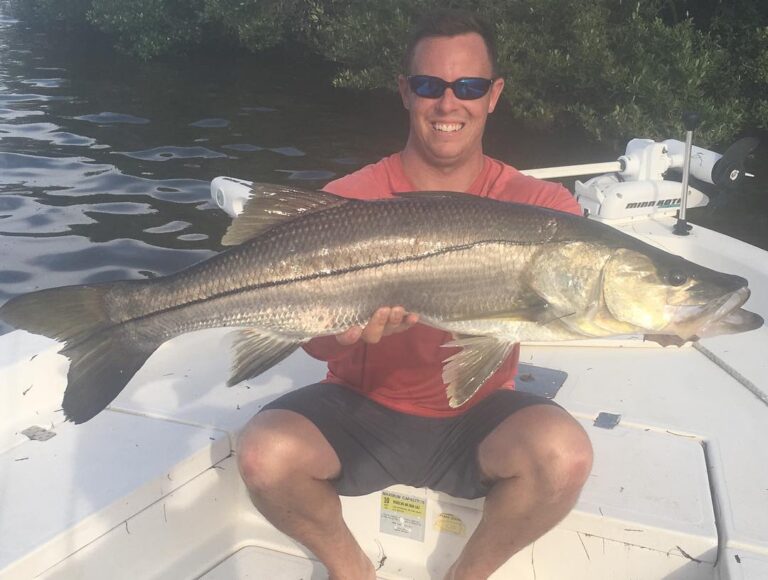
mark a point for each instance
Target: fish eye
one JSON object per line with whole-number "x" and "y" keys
{"x": 677, "y": 278}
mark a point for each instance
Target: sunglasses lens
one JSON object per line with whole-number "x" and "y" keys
{"x": 426, "y": 86}
{"x": 471, "y": 88}
{"x": 466, "y": 89}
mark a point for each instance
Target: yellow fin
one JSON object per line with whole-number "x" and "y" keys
{"x": 467, "y": 370}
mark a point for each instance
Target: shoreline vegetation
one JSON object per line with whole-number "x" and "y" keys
{"x": 612, "y": 69}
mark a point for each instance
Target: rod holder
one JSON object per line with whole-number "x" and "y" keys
{"x": 690, "y": 122}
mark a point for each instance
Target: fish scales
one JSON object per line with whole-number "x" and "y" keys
{"x": 358, "y": 241}
{"x": 311, "y": 264}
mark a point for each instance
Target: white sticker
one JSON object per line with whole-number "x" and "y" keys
{"x": 403, "y": 515}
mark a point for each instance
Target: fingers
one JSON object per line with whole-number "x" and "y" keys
{"x": 350, "y": 336}
{"x": 377, "y": 325}
{"x": 399, "y": 320}
{"x": 385, "y": 321}
{"x": 396, "y": 315}
{"x": 411, "y": 319}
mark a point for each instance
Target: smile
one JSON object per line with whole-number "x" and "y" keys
{"x": 447, "y": 127}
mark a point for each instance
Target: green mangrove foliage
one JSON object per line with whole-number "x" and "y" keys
{"x": 612, "y": 68}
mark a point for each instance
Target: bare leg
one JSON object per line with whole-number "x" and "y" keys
{"x": 286, "y": 463}
{"x": 539, "y": 458}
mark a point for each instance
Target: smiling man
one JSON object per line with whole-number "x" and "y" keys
{"x": 381, "y": 416}
{"x": 444, "y": 145}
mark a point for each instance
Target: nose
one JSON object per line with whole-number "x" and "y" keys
{"x": 448, "y": 101}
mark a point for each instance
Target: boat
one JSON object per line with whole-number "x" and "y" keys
{"x": 149, "y": 489}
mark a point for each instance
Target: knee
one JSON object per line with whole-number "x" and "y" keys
{"x": 564, "y": 461}
{"x": 266, "y": 457}
{"x": 280, "y": 448}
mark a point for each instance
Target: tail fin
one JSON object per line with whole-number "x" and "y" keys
{"x": 69, "y": 313}
{"x": 104, "y": 354}
{"x": 101, "y": 367}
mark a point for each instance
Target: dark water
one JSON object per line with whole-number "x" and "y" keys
{"x": 105, "y": 162}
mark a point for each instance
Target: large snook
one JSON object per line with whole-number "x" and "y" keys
{"x": 311, "y": 263}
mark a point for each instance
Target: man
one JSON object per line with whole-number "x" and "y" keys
{"x": 382, "y": 416}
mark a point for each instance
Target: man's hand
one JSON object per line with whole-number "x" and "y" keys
{"x": 385, "y": 321}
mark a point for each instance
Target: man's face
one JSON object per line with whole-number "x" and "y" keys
{"x": 446, "y": 131}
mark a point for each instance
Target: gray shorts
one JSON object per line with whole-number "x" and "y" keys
{"x": 379, "y": 447}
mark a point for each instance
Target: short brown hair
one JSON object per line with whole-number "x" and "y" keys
{"x": 450, "y": 22}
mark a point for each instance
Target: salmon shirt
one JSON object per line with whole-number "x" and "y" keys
{"x": 404, "y": 370}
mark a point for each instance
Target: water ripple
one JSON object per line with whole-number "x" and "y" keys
{"x": 47, "y": 132}
{"x": 247, "y": 148}
{"x": 44, "y": 83}
{"x": 169, "y": 228}
{"x": 193, "y": 237}
{"x": 81, "y": 175}
{"x": 107, "y": 118}
{"x": 210, "y": 123}
{"x": 13, "y": 276}
{"x": 258, "y": 109}
{"x": 121, "y": 208}
{"x": 9, "y": 114}
{"x": 10, "y": 203}
{"x": 130, "y": 254}
{"x": 288, "y": 151}
{"x": 23, "y": 98}
{"x": 40, "y": 262}
{"x": 31, "y": 218}
{"x": 168, "y": 152}
{"x": 244, "y": 147}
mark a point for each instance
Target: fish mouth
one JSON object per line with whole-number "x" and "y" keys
{"x": 723, "y": 315}
{"x": 738, "y": 320}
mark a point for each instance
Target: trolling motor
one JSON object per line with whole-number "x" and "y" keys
{"x": 636, "y": 186}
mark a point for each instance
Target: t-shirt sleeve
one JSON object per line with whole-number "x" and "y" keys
{"x": 522, "y": 188}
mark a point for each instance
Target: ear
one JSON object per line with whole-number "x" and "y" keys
{"x": 402, "y": 86}
{"x": 496, "y": 88}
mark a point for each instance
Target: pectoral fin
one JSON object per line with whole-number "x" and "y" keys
{"x": 467, "y": 370}
{"x": 256, "y": 351}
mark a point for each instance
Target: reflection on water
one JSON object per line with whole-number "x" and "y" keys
{"x": 107, "y": 118}
{"x": 105, "y": 162}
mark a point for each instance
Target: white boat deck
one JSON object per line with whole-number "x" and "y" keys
{"x": 149, "y": 489}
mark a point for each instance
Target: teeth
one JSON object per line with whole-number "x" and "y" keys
{"x": 447, "y": 127}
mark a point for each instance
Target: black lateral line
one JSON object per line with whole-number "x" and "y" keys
{"x": 314, "y": 276}
{"x": 319, "y": 275}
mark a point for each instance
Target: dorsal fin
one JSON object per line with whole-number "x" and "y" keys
{"x": 272, "y": 204}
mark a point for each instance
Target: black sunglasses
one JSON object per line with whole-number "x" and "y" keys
{"x": 465, "y": 88}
